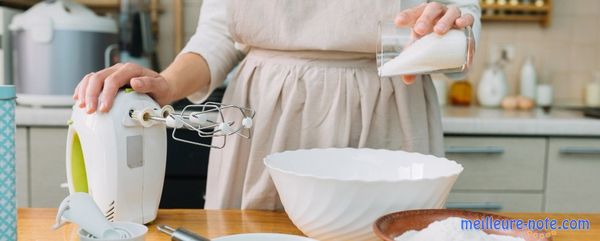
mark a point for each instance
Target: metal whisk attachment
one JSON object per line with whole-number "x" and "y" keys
{"x": 210, "y": 119}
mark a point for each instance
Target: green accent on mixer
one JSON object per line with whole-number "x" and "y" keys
{"x": 78, "y": 166}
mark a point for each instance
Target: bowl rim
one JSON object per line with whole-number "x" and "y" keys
{"x": 326, "y": 178}
{"x": 454, "y": 212}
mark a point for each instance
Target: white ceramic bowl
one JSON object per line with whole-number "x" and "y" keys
{"x": 262, "y": 237}
{"x": 336, "y": 194}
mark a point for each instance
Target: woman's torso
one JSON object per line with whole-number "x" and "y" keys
{"x": 306, "y": 98}
{"x": 328, "y": 25}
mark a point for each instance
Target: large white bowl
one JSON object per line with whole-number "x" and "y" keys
{"x": 336, "y": 194}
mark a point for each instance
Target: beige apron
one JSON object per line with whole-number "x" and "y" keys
{"x": 311, "y": 76}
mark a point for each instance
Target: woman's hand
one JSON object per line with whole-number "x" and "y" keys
{"x": 432, "y": 17}
{"x": 100, "y": 88}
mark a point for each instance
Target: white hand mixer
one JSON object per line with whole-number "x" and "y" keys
{"x": 119, "y": 157}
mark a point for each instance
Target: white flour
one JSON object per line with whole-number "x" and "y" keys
{"x": 429, "y": 53}
{"x": 450, "y": 230}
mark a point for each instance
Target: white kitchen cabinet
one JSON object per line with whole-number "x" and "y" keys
{"x": 498, "y": 163}
{"x": 22, "y": 167}
{"x": 47, "y": 166}
{"x": 497, "y": 202}
{"x": 573, "y": 175}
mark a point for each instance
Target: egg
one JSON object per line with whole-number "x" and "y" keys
{"x": 525, "y": 103}
{"x": 509, "y": 103}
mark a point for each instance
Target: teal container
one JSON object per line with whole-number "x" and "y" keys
{"x": 8, "y": 203}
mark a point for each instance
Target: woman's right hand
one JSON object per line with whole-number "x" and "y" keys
{"x": 97, "y": 91}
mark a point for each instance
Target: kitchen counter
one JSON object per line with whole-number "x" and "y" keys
{"x": 481, "y": 121}
{"x": 456, "y": 120}
{"x": 34, "y": 224}
{"x": 48, "y": 117}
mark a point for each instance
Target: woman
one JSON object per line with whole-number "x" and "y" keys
{"x": 310, "y": 74}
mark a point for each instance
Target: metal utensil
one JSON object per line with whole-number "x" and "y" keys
{"x": 180, "y": 234}
{"x": 208, "y": 120}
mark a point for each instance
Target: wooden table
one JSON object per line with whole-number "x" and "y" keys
{"x": 35, "y": 224}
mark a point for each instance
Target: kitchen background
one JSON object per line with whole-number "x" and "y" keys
{"x": 514, "y": 160}
{"x": 566, "y": 53}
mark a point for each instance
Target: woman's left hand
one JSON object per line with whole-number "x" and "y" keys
{"x": 432, "y": 17}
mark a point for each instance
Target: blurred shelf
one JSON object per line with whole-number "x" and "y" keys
{"x": 519, "y": 7}
{"x": 95, "y": 4}
{"x": 101, "y": 3}
{"x": 113, "y": 6}
{"x": 513, "y": 18}
{"x": 99, "y": 6}
{"x": 518, "y": 13}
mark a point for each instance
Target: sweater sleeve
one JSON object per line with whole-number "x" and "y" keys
{"x": 213, "y": 42}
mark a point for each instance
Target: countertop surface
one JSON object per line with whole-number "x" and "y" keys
{"x": 33, "y": 116}
{"x": 455, "y": 120}
{"x": 35, "y": 224}
{"x": 481, "y": 121}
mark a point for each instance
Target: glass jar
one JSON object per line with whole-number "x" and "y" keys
{"x": 461, "y": 93}
{"x": 401, "y": 52}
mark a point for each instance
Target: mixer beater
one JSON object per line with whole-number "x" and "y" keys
{"x": 210, "y": 119}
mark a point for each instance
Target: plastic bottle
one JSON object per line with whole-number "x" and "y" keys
{"x": 592, "y": 92}
{"x": 528, "y": 79}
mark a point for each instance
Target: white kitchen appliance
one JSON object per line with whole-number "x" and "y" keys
{"x": 119, "y": 157}
{"x": 493, "y": 87}
{"x": 55, "y": 44}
